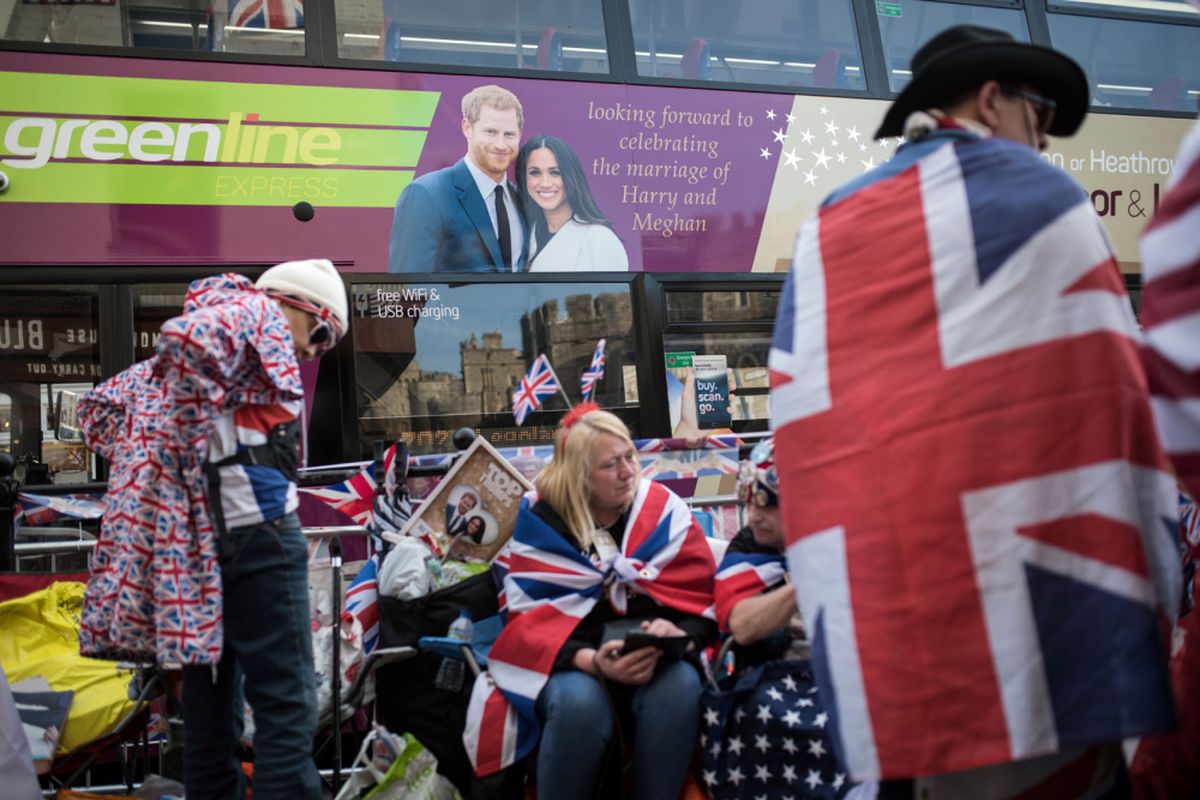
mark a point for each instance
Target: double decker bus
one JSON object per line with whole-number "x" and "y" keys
{"x": 144, "y": 143}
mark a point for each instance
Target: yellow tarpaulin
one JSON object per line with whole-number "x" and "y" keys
{"x": 39, "y": 635}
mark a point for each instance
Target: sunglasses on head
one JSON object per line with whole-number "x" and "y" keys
{"x": 1043, "y": 107}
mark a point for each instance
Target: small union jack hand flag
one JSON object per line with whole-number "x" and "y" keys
{"x": 536, "y": 386}
{"x": 594, "y": 372}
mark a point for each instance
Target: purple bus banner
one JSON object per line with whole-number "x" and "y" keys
{"x": 136, "y": 161}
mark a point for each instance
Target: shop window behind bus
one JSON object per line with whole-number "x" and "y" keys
{"x": 1133, "y": 63}
{"x": 563, "y": 36}
{"x": 230, "y": 26}
{"x": 917, "y": 21}
{"x": 431, "y": 358}
{"x": 801, "y": 44}
{"x": 49, "y": 342}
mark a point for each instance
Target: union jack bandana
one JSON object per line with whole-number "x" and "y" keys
{"x": 323, "y": 316}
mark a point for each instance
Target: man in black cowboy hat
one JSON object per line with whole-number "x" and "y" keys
{"x": 962, "y": 428}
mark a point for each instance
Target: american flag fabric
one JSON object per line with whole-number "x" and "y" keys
{"x": 1170, "y": 313}
{"x": 550, "y": 587}
{"x": 266, "y": 13}
{"x": 594, "y": 373}
{"x": 154, "y": 589}
{"x": 970, "y": 471}
{"x": 538, "y": 384}
{"x": 743, "y": 575}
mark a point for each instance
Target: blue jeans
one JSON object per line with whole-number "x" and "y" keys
{"x": 264, "y": 574}
{"x": 577, "y": 731}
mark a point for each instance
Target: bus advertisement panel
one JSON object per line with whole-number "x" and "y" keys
{"x": 137, "y": 161}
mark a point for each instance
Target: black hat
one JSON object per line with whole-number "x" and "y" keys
{"x": 965, "y": 56}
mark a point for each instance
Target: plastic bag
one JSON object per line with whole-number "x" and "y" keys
{"x": 404, "y": 575}
{"x": 350, "y": 658}
{"x": 413, "y": 776}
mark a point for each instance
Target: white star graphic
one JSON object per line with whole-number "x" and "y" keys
{"x": 764, "y": 713}
{"x": 716, "y": 748}
{"x": 792, "y": 718}
{"x": 812, "y": 690}
{"x": 791, "y": 118}
{"x": 775, "y": 694}
{"x": 822, "y": 159}
{"x": 761, "y": 773}
{"x": 804, "y": 702}
{"x": 736, "y": 745}
{"x": 710, "y": 777}
{"x": 790, "y": 746}
{"x": 762, "y": 743}
{"x": 789, "y": 682}
{"x": 862, "y": 148}
{"x": 789, "y": 773}
{"x": 736, "y": 776}
{"x": 760, "y": 797}
{"x": 831, "y": 128}
{"x": 853, "y": 134}
{"x": 838, "y": 780}
{"x": 779, "y": 135}
{"x": 814, "y": 779}
{"x": 810, "y": 178}
{"x": 770, "y": 113}
{"x": 899, "y": 141}
{"x": 711, "y": 717}
{"x": 739, "y": 715}
{"x": 703, "y": 740}
{"x": 833, "y": 142}
{"x": 807, "y": 136}
{"x": 868, "y": 164}
{"x": 821, "y": 719}
{"x": 791, "y": 161}
{"x": 841, "y": 158}
{"x": 815, "y": 748}
{"x": 764, "y": 152}
{"x": 824, "y": 111}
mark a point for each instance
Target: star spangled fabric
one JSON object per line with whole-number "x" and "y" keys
{"x": 154, "y": 589}
{"x": 969, "y": 467}
{"x": 550, "y": 587}
{"x": 538, "y": 384}
{"x": 743, "y": 575}
{"x": 1170, "y": 313}
{"x": 594, "y": 373}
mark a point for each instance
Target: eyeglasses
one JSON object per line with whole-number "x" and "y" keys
{"x": 754, "y": 487}
{"x": 321, "y": 334}
{"x": 1043, "y": 107}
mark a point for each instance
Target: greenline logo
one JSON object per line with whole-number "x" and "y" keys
{"x": 96, "y": 139}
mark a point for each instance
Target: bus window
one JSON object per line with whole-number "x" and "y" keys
{"x": 756, "y": 305}
{"x": 241, "y": 26}
{"x": 809, "y": 44}
{"x": 431, "y": 358}
{"x": 921, "y": 20}
{"x": 49, "y": 341}
{"x": 557, "y": 37}
{"x": 153, "y": 304}
{"x": 1131, "y": 63}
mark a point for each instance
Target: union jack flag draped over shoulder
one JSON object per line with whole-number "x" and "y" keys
{"x": 1170, "y": 314}
{"x": 536, "y": 386}
{"x": 744, "y": 575}
{"x": 550, "y": 587}
{"x": 594, "y": 373}
{"x": 971, "y": 476}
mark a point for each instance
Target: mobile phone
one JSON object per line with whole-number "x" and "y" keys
{"x": 672, "y": 647}
{"x": 712, "y": 392}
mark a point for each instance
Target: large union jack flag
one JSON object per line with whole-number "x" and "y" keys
{"x": 266, "y": 13}
{"x": 1170, "y": 313}
{"x": 594, "y": 373}
{"x": 550, "y": 587}
{"x": 979, "y": 522}
{"x": 539, "y": 384}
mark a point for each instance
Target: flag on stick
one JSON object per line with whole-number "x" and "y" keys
{"x": 536, "y": 386}
{"x": 594, "y": 372}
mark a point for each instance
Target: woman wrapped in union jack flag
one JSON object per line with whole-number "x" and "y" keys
{"x": 609, "y": 594}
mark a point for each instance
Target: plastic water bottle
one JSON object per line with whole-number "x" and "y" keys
{"x": 452, "y": 671}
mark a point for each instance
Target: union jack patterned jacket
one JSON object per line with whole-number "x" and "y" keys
{"x": 154, "y": 592}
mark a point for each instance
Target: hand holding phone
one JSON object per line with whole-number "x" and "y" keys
{"x": 672, "y": 647}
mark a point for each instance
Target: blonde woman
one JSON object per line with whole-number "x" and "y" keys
{"x": 600, "y": 548}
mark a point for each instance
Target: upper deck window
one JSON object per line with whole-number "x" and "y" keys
{"x": 918, "y": 21}
{"x": 1133, "y": 63}
{"x": 811, "y": 44}
{"x": 236, "y": 26}
{"x": 559, "y": 37}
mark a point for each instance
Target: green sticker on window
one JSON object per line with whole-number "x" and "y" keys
{"x": 680, "y": 360}
{"x": 887, "y": 9}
